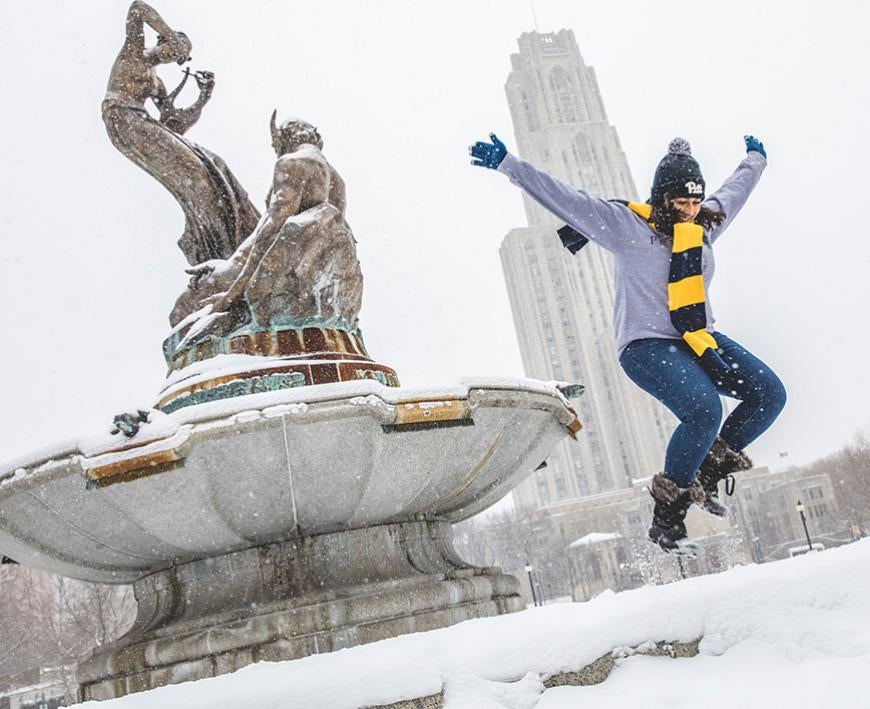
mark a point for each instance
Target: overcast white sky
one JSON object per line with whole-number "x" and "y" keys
{"x": 90, "y": 269}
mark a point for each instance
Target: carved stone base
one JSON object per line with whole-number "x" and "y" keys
{"x": 266, "y": 603}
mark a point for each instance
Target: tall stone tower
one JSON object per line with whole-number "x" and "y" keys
{"x": 563, "y": 304}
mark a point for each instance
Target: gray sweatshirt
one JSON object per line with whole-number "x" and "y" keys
{"x": 641, "y": 261}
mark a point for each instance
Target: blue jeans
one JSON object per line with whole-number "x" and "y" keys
{"x": 670, "y": 371}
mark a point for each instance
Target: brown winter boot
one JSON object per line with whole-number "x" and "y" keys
{"x": 720, "y": 464}
{"x": 672, "y": 502}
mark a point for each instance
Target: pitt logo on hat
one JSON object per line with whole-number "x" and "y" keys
{"x": 695, "y": 187}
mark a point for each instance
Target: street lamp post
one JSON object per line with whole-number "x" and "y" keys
{"x": 570, "y": 571}
{"x": 800, "y": 509}
{"x": 529, "y": 569}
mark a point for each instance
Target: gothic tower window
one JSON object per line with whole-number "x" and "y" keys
{"x": 583, "y": 150}
{"x": 564, "y": 96}
{"x": 529, "y": 113}
{"x": 587, "y": 171}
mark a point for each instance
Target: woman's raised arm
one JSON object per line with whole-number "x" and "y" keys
{"x": 734, "y": 192}
{"x": 606, "y": 223}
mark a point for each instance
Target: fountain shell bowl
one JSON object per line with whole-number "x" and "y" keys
{"x": 214, "y": 478}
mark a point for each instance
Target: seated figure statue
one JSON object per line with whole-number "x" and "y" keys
{"x": 297, "y": 269}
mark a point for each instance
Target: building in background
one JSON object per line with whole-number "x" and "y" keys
{"x": 578, "y": 548}
{"x": 37, "y": 688}
{"x": 765, "y": 508}
{"x": 562, "y": 304}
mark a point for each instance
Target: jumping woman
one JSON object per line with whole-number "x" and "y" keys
{"x": 664, "y": 327}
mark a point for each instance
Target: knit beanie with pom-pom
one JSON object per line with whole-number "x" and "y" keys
{"x": 677, "y": 175}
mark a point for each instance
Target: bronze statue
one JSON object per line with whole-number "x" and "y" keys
{"x": 293, "y": 270}
{"x": 299, "y": 267}
{"x": 218, "y": 214}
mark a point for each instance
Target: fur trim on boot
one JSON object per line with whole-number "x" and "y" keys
{"x": 672, "y": 502}
{"x": 719, "y": 464}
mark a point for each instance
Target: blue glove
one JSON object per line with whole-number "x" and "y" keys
{"x": 486, "y": 154}
{"x": 753, "y": 143}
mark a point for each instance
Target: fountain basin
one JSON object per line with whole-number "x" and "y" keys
{"x": 215, "y": 478}
{"x": 284, "y": 523}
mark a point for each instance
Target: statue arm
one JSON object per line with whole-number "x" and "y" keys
{"x": 285, "y": 203}
{"x": 141, "y": 14}
{"x": 179, "y": 120}
{"x": 337, "y": 196}
{"x": 135, "y": 27}
{"x": 161, "y": 99}
{"x": 170, "y": 97}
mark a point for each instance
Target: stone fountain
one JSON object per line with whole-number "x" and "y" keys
{"x": 285, "y": 496}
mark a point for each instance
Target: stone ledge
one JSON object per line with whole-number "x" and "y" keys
{"x": 599, "y": 670}
{"x": 594, "y": 673}
{"x": 433, "y": 701}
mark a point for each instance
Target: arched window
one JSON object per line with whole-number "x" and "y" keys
{"x": 564, "y": 96}
{"x": 587, "y": 167}
{"x": 529, "y": 113}
{"x": 583, "y": 150}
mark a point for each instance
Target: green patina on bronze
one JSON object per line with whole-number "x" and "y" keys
{"x": 376, "y": 375}
{"x": 240, "y": 387}
{"x": 257, "y": 384}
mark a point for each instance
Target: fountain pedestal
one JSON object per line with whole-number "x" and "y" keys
{"x": 290, "y": 599}
{"x": 283, "y": 523}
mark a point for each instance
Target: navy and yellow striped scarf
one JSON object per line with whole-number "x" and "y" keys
{"x": 687, "y": 295}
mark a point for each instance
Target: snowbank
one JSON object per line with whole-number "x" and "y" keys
{"x": 790, "y": 633}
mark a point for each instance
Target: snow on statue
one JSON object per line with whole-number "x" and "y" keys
{"x": 298, "y": 266}
{"x": 295, "y": 268}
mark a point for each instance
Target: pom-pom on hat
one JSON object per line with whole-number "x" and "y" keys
{"x": 678, "y": 174}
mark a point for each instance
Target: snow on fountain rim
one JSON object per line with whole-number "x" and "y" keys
{"x": 167, "y": 430}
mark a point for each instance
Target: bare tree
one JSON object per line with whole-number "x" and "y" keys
{"x": 849, "y": 470}
{"x": 514, "y": 538}
{"x": 53, "y": 622}
{"x": 25, "y": 602}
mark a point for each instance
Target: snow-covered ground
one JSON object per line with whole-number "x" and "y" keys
{"x": 793, "y": 633}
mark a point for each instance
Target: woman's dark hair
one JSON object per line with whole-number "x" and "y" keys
{"x": 664, "y": 218}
